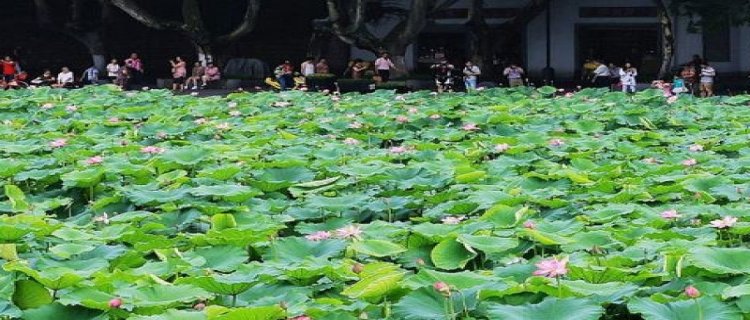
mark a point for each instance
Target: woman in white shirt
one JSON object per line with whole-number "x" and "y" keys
{"x": 308, "y": 67}
{"x": 628, "y": 76}
{"x": 113, "y": 68}
{"x": 65, "y": 78}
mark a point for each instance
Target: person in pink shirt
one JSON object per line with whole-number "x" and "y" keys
{"x": 135, "y": 68}
{"x": 383, "y": 65}
{"x": 179, "y": 72}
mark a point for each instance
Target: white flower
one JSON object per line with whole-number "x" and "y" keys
{"x": 696, "y": 148}
{"x": 453, "y": 219}
{"x": 104, "y": 218}
{"x": 71, "y": 108}
{"x": 502, "y": 147}
{"x": 351, "y": 141}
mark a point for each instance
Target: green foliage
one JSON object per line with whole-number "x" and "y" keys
{"x": 358, "y": 206}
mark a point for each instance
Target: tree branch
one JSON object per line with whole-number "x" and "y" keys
{"x": 247, "y": 25}
{"x": 136, "y": 12}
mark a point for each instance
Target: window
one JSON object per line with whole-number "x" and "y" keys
{"x": 717, "y": 42}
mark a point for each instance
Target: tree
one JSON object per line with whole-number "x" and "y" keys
{"x": 82, "y": 20}
{"x": 712, "y": 13}
{"x": 347, "y": 20}
{"x": 210, "y": 43}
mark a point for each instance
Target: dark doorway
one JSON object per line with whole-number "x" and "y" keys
{"x": 637, "y": 44}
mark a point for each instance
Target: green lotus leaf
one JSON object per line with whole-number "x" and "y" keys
{"x": 450, "y": 254}
{"x": 377, "y": 248}
{"x": 707, "y": 308}
{"x": 30, "y": 294}
{"x": 376, "y": 281}
{"x": 549, "y": 308}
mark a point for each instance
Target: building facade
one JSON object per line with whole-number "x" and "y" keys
{"x": 616, "y": 31}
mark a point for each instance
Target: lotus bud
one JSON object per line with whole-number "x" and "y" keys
{"x": 115, "y": 303}
{"x": 357, "y": 268}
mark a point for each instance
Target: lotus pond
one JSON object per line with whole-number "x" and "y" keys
{"x": 503, "y": 204}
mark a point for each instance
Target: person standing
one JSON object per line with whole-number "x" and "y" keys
{"x": 471, "y": 72}
{"x": 383, "y": 66}
{"x": 708, "y": 73}
{"x": 285, "y": 75}
{"x": 179, "y": 72}
{"x": 443, "y": 75}
{"x": 90, "y": 76}
{"x": 135, "y": 68}
{"x": 9, "y": 69}
{"x": 628, "y": 76}
{"x": 601, "y": 76}
{"x": 307, "y": 67}
{"x": 688, "y": 76}
{"x": 322, "y": 67}
{"x": 514, "y": 74}
{"x": 113, "y": 68}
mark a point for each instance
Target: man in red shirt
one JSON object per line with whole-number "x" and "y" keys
{"x": 9, "y": 69}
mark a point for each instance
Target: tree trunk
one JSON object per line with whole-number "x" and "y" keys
{"x": 480, "y": 39}
{"x": 667, "y": 39}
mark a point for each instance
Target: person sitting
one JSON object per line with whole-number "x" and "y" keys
{"x": 46, "y": 79}
{"x": 285, "y": 75}
{"x": 195, "y": 76}
{"x": 322, "y": 67}
{"x": 212, "y": 74}
{"x": 358, "y": 69}
{"x": 308, "y": 67}
{"x": 113, "y": 68}
{"x": 65, "y": 79}
{"x": 90, "y": 76}
{"x": 443, "y": 75}
{"x": 123, "y": 78}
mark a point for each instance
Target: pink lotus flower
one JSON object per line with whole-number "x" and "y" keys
{"x": 453, "y": 219}
{"x": 318, "y": 236}
{"x": 413, "y": 110}
{"x": 528, "y": 224}
{"x": 71, "y": 108}
{"x": 115, "y": 303}
{"x": 47, "y": 106}
{"x": 223, "y": 126}
{"x": 442, "y": 287}
{"x": 200, "y": 121}
{"x": 94, "y": 160}
{"x": 556, "y": 142}
{"x": 59, "y": 143}
{"x": 689, "y": 162}
{"x": 670, "y": 214}
{"x": 672, "y": 99}
{"x": 231, "y": 105}
{"x": 349, "y": 232}
{"x": 726, "y": 222}
{"x": 398, "y": 150}
{"x": 692, "y": 292}
{"x": 235, "y": 113}
{"x": 402, "y": 119}
{"x": 351, "y": 141}
{"x": 696, "y": 148}
{"x": 570, "y": 95}
{"x": 650, "y": 161}
{"x": 282, "y": 104}
{"x": 355, "y": 125}
{"x": 470, "y": 127}
{"x": 114, "y": 120}
{"x": 552, "y": 268}
{"x": 502, "y": 147}
{"x": 435, "y": 116}
{"x": 162, "y": 135}
{"x": 152, "y": 150}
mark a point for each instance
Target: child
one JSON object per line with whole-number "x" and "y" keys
{"x": 628, "y": 78}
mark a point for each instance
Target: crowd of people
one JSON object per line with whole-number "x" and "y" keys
{"x": 695, "y": 77}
